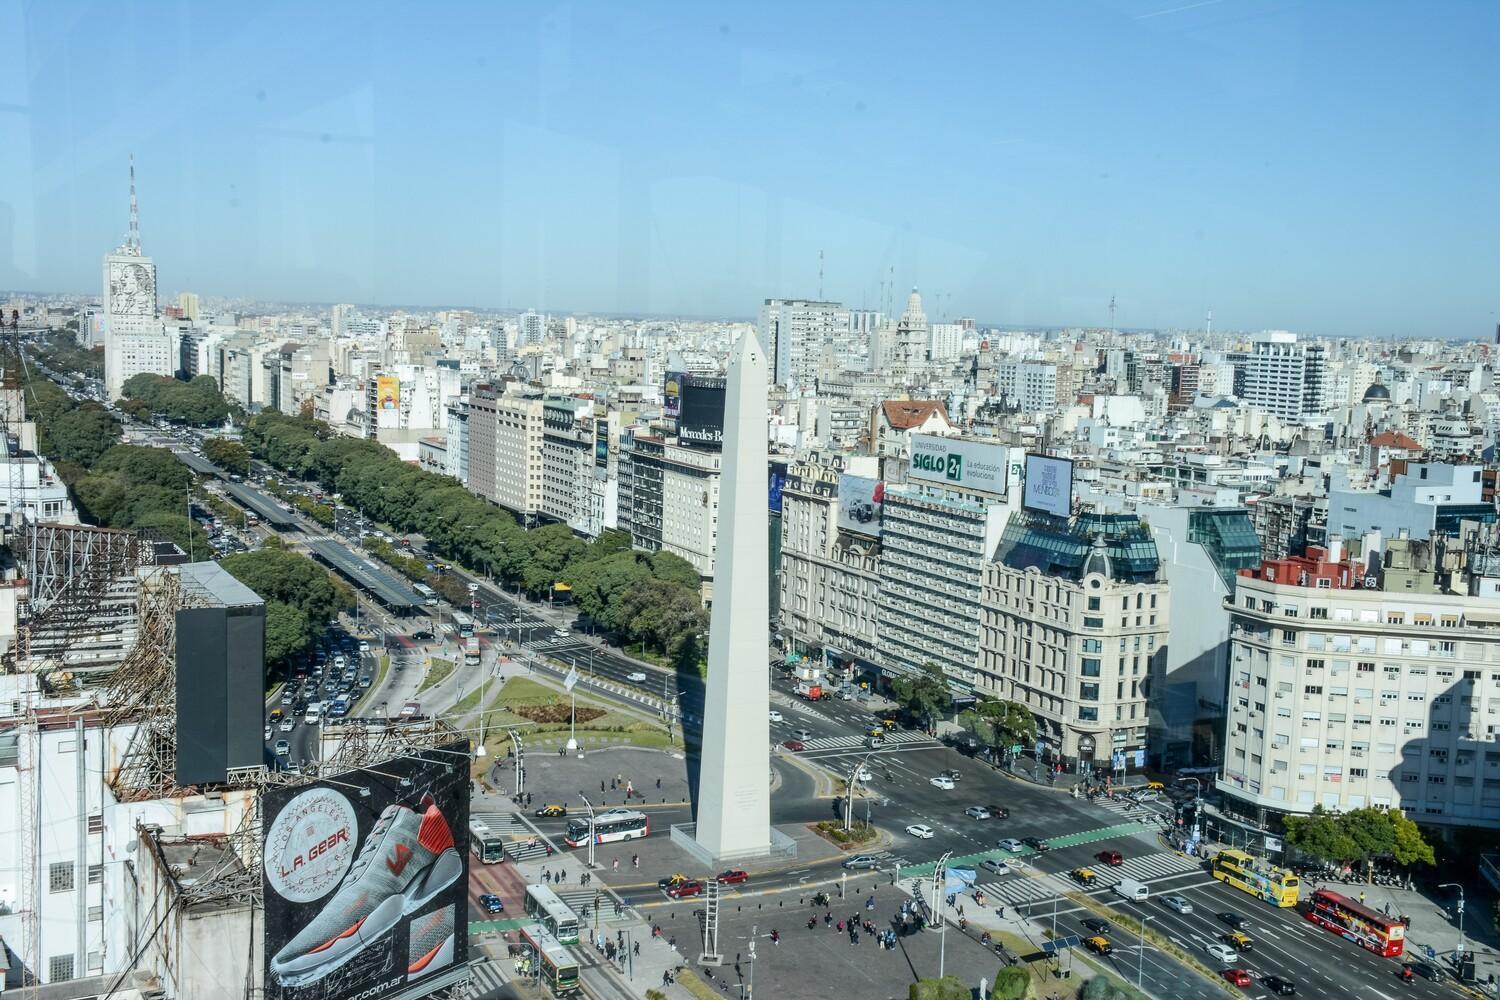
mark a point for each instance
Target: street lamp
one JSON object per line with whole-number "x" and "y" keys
{"x": 1140, "y": 965}
{"x": 849, "y": 791}
{"x": 1455, "y": 885}
{"x": 590, "y": 807}
{"x": 939, "y": 880}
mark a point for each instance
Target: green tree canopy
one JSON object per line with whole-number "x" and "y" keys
{"x": 925, "y": 696}
{"x": 1360, "y": 835}
{"x": 228, "y": 455}
{"x": 1012, "y": 982}
{"x": 998, "y": 723}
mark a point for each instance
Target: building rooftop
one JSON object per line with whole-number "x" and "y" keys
{"x": 210, "y": 580}
{"x": 904, "y": 414}
{"x": 1120, "y": 546}
{"x": 1393, "y": 439}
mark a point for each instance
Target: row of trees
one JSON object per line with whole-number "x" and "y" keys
{"x": 994, "y": 723}
{"x": 145, "y": 489}
{"x": 71, "y": 433}
{"x": 231, "y": 456}
{"x": 300, "y": 596}
{"x": 1360, "y": 836}
{"x": 199, "y": 402}
{"x": 62, "y": 352}
{"x": 636, "y": 598}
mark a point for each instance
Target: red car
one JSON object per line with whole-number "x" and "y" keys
{"x": 1236, "y": 977}
{"x": 1110, "y": 858}
{"x": 732, "y": 876}
{"x": 795, "y": 745}
{"x": 682, "y": 890}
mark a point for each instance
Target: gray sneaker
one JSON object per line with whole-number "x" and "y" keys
{"x": 406, "y": 860}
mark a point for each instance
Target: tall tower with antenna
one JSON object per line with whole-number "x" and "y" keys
{"x": 820, "y": 276}
{"x": 1112, "y": 314}
{"x": 134, "y": 340}
{"x": 133, "y": 239}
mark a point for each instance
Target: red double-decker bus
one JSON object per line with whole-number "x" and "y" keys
{"x": 1352, "y": 920}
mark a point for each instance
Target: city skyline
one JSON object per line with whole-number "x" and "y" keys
{"x": 1240, "y": 159}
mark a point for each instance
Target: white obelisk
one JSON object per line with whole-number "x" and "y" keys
{"x": 734, "y": 795}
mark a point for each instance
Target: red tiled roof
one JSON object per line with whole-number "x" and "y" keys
{"x": 1394, "y": 439}
{"x": 904, "y": 414}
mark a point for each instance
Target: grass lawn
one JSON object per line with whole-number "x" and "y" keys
{"x": 521, "y": 692}
{"x": 437, "y": 672}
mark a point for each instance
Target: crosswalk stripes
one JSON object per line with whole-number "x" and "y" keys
{"x": 1023, "y": 890}
{"x": 485, "y": 980}
{"x": 501, "y": 823}
{"x": 1163, "y": 864}
{"x": 525, "y": 850}
{"x": 849, "y": 742}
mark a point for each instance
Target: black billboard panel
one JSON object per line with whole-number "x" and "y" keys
{"x": 702, "y": 417}
{"x": 366, "y": 879}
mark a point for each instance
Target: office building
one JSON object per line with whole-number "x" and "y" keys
{"x": 135, "y": 341}
{"x": 505, "y": 449}
{"x": 669, "y": 497}
{"x": 532, "y": 327}
{"x": 799, "y": 335}
{"x": 568, "y": 461}
{"x": 1286, "y": 377}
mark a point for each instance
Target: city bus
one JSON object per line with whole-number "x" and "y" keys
{"x": 608, "y": 827}
{"x": 1276, "y": 886}
{"x": 488, "y": 846}
{"x": 429, "y": 596}
{"x": 464, "y": 623}
{"x": 544, "y": 957}
{"x": 546, "y": 907}
{"x": 1353, "y": 921}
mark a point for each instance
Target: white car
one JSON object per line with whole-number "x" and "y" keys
{"x": 863, "y": 774}
{"x": 283, "y": 748}
{"x": 288, "y": 724}
{"x": 561, "y": 633}
{"x": 775, "y": 715}
{"x": 1223, "y": 953}
{"x": 941, "y": 781}
{"x": 636, "y": 677}
{"x": 1177, "y": 903}
{"x": 995, "y": 866}
{"x": 268, "y": 733}
{"x": 1012, "y": 845}
{"x": 920, "y": 831}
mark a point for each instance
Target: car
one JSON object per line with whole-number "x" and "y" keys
{"x": 1154, "y": 786}
{"x": 1012, "y": 845}
{"x": 774, "y": 715}
{"x": 277, "y": 714}
{"x": 1424, "y": 969}
{"x": 1234, "y": 920}
{"x": 1097, "y": 925}
{"x": 1036, "y": 844}
{"x": 366, "y": 680}
{"x": 1222, "y": 952}
{"x": 733, "y": 876}
{"x": 291, "y": 767}
{"x": 551, "y": 810}
{"x": 942, "y": 782}
{"x": 288, "y": 724}
{"x": 491, "y": 903}
{"x": 977, "y": 812}
{"x": 995, "y": 866}
{"x": 636, "y": 676}
{"x": 998, "y": 812}
{"x": 1236, "y": 977}
{"x": 286, "y": 694}
{"x": 422, "y": 635}
{"x": 1238, "y": 940}
{"x": 862, "y": 862}
{"x": 1099, "y": 945}
{"x": 1110, "y": 858}
{"x": 920, "y": 830}
{"x": 1146, "y": 796}
{"x": 671, "y": 880}
{"x": 796, "y": 746}
{"x": 1177, "y": 903}
{"x": 864, "y": 774}
{"x": 802, "y": 734}
{"x": 1084, "y": 876}
{"x": 268, "y": 734}
{"x": 283, "y": 748}
{"x": 1279, "y": 986}
{"x": 682, "y": 890}
{"x": 952, "y": 774}
{"x": 561, "y": 633}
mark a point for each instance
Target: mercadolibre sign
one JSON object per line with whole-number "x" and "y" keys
{"x": 978, "y": 465}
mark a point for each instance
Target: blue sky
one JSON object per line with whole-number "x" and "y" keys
{"x": 1328, "y": 167}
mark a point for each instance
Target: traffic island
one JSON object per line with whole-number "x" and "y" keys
{"x": 859, "y": 835}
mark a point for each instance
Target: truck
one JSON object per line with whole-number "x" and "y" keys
{"x": 811, "y": 690}
{"x": 411, "y": 710}
{"x": 1129, "y": 888}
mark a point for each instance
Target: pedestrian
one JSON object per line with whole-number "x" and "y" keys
{"x": 960, "y": 909}
{"x": 637, "y": 949}
{"x": 601, "y": 786}
{"x": 545, "y": 876}
{"x": 619, "y": 910}
{"x": 616, "y": 866}
{"x": 658, "y": 784}
{"x": 1361, "y": 896}
{"x": 611, "y": 785}
{"x": 635, "y": 860}
{"x": 666, "y": 977}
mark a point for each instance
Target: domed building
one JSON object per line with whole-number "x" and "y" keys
{"x": 1377, "y": 393}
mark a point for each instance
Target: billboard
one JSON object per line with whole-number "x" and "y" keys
{"x": 1049, "y": 486}
{"x": 978, "y": 465}
{"x": 775, "y": 483}
{"x": 671, "y": 395}
{"x": 701, "y": 420}
{"x": 366, "y": 880}
{"x": 861, "y": 500}
{"x": 387, "y": 393}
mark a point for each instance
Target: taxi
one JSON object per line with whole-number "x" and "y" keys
{"x": 1238, "y": 940}
{"x": 1099, "y": 945}
{"x": 551, "y": 810}
{"x": 1155, "y": 786}
{"x": 1084, "y": 876}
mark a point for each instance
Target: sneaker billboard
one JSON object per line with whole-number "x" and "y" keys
{"x": 366, "y": 880}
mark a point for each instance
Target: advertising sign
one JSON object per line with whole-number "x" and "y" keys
{"x": 702, "y": 418}
{"x": 671, "y": 394}
{"x": 1049, "y": 486}
{"x": 775, "y": 483}
{"x": 366, "y": 880}
{"x": 387, "y": 393}
{"x": 860, "y": 503}
{"x": 978, "y": 465}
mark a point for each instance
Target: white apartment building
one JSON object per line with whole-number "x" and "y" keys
{"x": 1286, "y": 377}
{"x": 568, "y": 461}
{"x": 1031, "y": 385}
{"x": 669, "y": 498}
{"x": 1347, "y": 697}
{"x": 797, "y": 334}
{"x": 517, "y": 457}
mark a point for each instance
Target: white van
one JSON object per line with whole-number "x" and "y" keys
{"x": 314, "y": 710}
{"x": 1129, "y": 888}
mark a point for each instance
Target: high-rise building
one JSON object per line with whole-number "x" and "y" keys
{"x": 533, "y": 328}
{"x": 505, "y": 449}
{"x": 134, "y": 338}
{"x": 187, "y": 304}
{"x": 1286, "y": 377}
{"x": 797, "y": 333}
{"x": 909, "y": 343}
{"x": 341, "y": 316}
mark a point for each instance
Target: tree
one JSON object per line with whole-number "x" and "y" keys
{"x": 946, "y": 988}
{"x": 1359, "y": 836}
{"x": 228, "y": 455}
{"x": 672, "y": 567}
{"x": 1000, "y": 724}
{"x": 1012, "y": 982}
{"x": 80, "y": 435}
{"x": 925, "y": 696}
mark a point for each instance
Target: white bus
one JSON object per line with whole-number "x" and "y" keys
{"x": 465, "y": 624}
{"x": 429, "y": 596}
{"x": 544, "y": 905}
{"x": 608, "y": 827}
{"x": 488, "y": 846}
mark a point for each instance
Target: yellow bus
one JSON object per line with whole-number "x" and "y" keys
{"x": 1276, "y": 886}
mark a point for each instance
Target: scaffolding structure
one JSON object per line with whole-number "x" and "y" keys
{"x": 79, "y": 615}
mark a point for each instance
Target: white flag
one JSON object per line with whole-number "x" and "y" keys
{"x": 571, "y": 679}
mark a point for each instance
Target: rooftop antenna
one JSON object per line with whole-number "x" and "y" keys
{"x": 134, "y": 239}
{"x": 1112, "y": 315}
{"x": 820, "y": 276}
